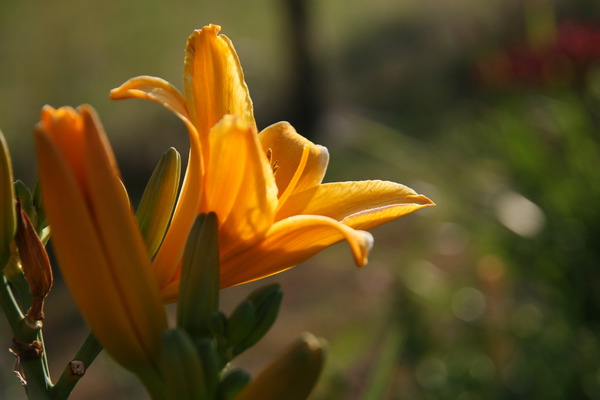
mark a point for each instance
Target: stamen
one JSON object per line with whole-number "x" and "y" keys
{"x": 274, "y": 165}
{"x": 294, "y": 181}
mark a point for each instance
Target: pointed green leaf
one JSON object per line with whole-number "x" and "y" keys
{"x": 37, "y": 204}
{"x": 26, "y": 198}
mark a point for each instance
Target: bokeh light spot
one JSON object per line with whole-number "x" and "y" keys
{"x": 468, "y": 304}
{"x": 431, "y": 372}
{"x": 519, "y": 214}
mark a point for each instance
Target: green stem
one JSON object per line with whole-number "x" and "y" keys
{"x": 34, "y": 368}
{"x": 76, "y": 368}
{"x": 20, "y": 289}
{"x": 38, "y": 384}
{"x": 40, "y": 337}
{"x": 10, "y": 306}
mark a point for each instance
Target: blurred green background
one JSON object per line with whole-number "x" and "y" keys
{"x": 489, "y": 108}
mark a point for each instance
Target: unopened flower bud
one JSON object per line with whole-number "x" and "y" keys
{"x": 35, "y": 264}
{"x": 158, "y": 200}
{"x": 290, "y": 376}
{"x": 266, "y": 301}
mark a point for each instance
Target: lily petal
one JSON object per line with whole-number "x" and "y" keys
{"x": 290, "y": 242}
{"x": 241, "y": 189}
{"x": 158, "y": 90}
{"x": 154, "y": 89}
{"x": 108, "y": 201}
{"x": 285, "y": 147}
{"x": 213, "y": 80}
{"x": 120, "y": 304}
{"x": 360, "y": 205}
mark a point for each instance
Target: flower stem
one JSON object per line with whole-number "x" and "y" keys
{"x": 28, "y": 344}
{"x": 9, "y": 305}
{"x": 77, "y": 367}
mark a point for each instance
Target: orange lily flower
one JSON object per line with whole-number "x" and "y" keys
{"x": 266, "y": 189}
{"x": 101, "y": 252}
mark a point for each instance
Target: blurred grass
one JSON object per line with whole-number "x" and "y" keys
{"x": 490, "y": 295}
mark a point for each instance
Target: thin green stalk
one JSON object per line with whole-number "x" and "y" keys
{"x": 10, "y": 306}
{"x": 20, "y": 289}
{"x": 76, "y": 368}
{"x": 44, "y": 355}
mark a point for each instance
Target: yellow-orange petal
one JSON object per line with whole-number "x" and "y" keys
{"x": 117, "y": 227}
{"x": 290, "y": 242}
{"x": 157, "y": 90}
{"x": 286, "y": 148}
{"x": 239, "y": 185}
{"x": 65, "y": 128}
{"x": 169, "y": 256}
{"x": 213, "y": 80}
{"x": 80, "y": 249}
{"x": 361, "y": 205}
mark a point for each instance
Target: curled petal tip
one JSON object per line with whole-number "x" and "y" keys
{"x": 361, "y": 259}
{"x": 422, "y": 200}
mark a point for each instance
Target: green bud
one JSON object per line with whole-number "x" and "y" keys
{"x": 199, "y": 282}
{"x": 266, "y": 300}
{"x": 241, "y": 322}
{"x": 232, "y": 384}
{"x": 210, "y": 364}
{"x": 292, "y": 375}
{"x": 217, "y": 325}
{"x": 180, "y": 367}
{"x": 8, "y": 221}
{"x": 156, "y": 206}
